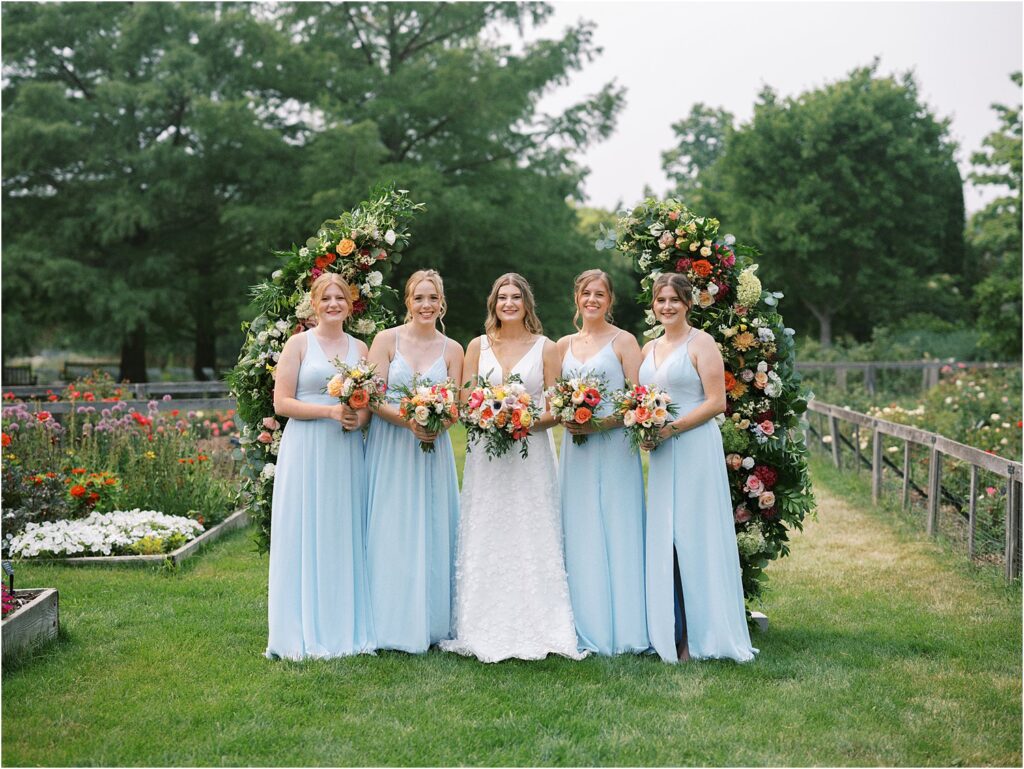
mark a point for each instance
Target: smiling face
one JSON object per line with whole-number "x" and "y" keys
{"x": 333, "y": 305}
{"x": 510, "y": 306}
{"x": 594, "y": 300}
{"x": 424, "y": 303}
{"x": 669, "y": 308}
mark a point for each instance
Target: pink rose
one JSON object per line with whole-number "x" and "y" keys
{"x": 673, "y": 215}
{"x": 475, "y": 399}
{"x": 270, "y": 423}
{"x": 766, "y": 500}
{"x": 747, "y": 375}
{"x": 265, "y": 437}
{"x": 753, "y": 486}
{"x": 666, "y": 239}
{"x": 760, "y": 380}
{"x": 733, "y": 461}
{"x": 767, "y": 427}
{"x": 742, "y": 514}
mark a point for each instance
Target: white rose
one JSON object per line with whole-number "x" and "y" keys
{"x": 268, "y": 470}
{"x": 366, "y": 289}
{"x": 628, "y": 419}
{"x": 713, "y": 289}
{"x": 705, "y": 251}
{"x": 747, "y": 463}
{"x": 262, "y": 337}
{"x": 390, "y": 237}
{"x": 375, "y": 278}
{"x": 421, "y": 415}
{"x": 762, "y": 367}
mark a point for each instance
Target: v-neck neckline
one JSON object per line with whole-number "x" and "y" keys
{"x": 521, "y": 359}
{"x": 681, "y": 346}
{"x": 592, "y": 357}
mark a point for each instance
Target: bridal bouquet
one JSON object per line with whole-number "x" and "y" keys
{"x": 429, "y": 405}
{"x": 356, "y": 386}
{"x": 575, "y": 399}
{"x": 500, "y": 415}
{"x": 644, "y": 410}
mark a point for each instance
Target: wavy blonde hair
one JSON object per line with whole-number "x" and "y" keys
{"x": 582, "y": 281}
{"x": 316, "y": 291}
{"x": 530, "y": 319}
{"x": 434, "y": 277}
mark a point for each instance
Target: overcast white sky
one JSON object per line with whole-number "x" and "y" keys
{"x": 670, "y": 55}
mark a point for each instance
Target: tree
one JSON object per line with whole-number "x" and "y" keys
{"x": 142, "y": 167}
{"x": 452, "y": 116}
{"x": 994, "y": 235}
{"x": 701, "y": 141}
{"x": 852, "y": 193}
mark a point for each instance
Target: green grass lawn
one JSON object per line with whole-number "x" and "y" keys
{"x": 883, "y": 649}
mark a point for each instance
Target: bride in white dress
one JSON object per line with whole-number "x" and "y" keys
{"x": 511, "y": 590}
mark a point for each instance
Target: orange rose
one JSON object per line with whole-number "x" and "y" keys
{"x": 702, "y": 267}
{"x": 501, "y": 419}
{"x": 642, "y": 413}
{"x": 730, "y": 381}
{"x": 346, "y": 246}
{"x": 359, "y": 399}
{"x": 582, "y": 415}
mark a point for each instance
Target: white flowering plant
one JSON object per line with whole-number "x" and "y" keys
{"x": 120, "y": 532}
{"x": 765, "y": 455}
{"x": 360, "y": 245}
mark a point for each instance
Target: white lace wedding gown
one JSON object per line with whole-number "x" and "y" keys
{"x": 511, "y": 590}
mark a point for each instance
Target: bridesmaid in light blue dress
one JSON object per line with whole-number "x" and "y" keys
{"x": 695, "y": 602}
{"x": 318, "y": 602}
{"x": 602, "y": 487}
{"x": 413, "y": 496}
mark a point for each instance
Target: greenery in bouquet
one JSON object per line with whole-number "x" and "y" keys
{"x": 764, "y": 396}
{"x": 432, "y": 405}
{"x": 360, "y": 245}
{"x": 499, "y": 416}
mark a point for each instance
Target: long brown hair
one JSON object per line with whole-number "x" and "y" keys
{"x": 530, "y": 319}
{"x": 582, "y": 281}
{"x": 434, "y": 277}
{"x": 678, "y": 283}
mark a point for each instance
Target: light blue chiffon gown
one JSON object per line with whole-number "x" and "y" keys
{"x": 688, "y": 505}
{"x": 603, "y": 519}
{"x": 412, "y": 524}
{"x": 318, "y": 599}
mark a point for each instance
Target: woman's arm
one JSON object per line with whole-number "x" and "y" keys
{"x": 380, "y": 356}
{"x": 711, "y": 370}
{"x": 552, "y": 369}
{"x": 286, "y": 379}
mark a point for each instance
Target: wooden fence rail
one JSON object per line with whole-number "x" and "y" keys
{"x": 938, "y": 447}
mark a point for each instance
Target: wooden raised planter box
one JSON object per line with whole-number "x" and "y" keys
{"x": 34, "y": 623}
{"x": 237, "y": 520}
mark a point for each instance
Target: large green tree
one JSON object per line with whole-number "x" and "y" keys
{"x": 445, "y": 109}
{"x": 700, "y": 141}
{"x": 852, "y": 193}
{"x": 994, "y": 234}
{"x": 144, "y": 165}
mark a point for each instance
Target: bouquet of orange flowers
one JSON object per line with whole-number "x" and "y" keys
{"x": 644, "y": 409}
{"x": 500, "y": 416}
{"x": 429, "y": 405}
{"x": 356, "y": 386}
{"x": 575, "y": 399}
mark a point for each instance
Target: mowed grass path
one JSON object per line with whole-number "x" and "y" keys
{"x": 883, "y": 649}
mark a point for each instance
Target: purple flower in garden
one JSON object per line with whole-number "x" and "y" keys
{"x": 167, "y": 397}
{"x": 13, "y": 426}
{"x": 105, "y": 413}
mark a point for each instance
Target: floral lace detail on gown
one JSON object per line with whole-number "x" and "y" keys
{"x": 511, "y": 590}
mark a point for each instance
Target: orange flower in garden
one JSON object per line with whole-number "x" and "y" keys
{"x": 110, "y": 481}
{"x": 730, "y": 381}
{"x": 94, "y": 498}
{"x": 359, "y": 399}
{"x": 77, "y": 490}
{"x": 346, "y": 246}
{"x": 6, "y": 439}
{"x": 743, "y": 341}
{"x": 43, "y": 416}
{"x": 702, "y": 267}
{"x": 78, "y": 471}
{"x": 203, "y": 458}
{"x": 582, "y": 415}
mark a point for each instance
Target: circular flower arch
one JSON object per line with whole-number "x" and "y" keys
{"x": 764, "y": 449}
{"x": 361, "y": 244}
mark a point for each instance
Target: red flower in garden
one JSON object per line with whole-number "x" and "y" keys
{"x": 43, "y": 416}
{"x": 6, "y": 440}
{"x": 52, "y": 398}
{"x": 78, "y": 471}
{"x": 78, "y": 490}
{"x": 767, "y": 475}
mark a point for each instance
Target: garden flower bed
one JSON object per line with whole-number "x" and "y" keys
{"x": 69, "y": 482}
